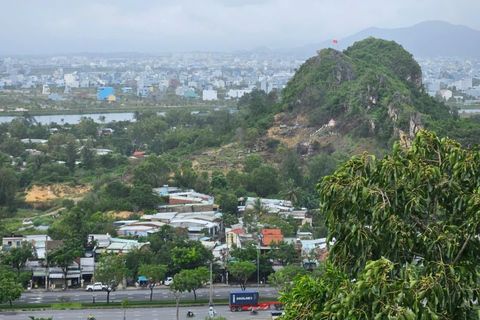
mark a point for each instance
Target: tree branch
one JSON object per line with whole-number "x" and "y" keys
{"x": 461, "y": 250}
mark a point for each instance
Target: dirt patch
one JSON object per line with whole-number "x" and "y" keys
{"x": 122, "y": 214}
{"x": 55, "y": 191}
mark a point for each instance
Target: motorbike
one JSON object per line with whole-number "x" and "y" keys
{"x": 253, "y": 312}
{"x": 190, "y": 314}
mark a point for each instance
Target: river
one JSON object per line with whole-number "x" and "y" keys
{"x": 468, "y": 110}
{"x": 75, "y": 118}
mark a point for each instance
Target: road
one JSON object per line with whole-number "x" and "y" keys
{"x": 160, "y": 293}
{"x": 166, "y": 313}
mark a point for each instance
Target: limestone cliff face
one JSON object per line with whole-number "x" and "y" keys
{"x": 371, "y": 89}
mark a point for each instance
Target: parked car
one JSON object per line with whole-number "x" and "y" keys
{"x": 168, "y": 281}
{"x": 97, "y": 286}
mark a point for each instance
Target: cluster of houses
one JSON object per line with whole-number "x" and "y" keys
{"x": 189, "y": 210}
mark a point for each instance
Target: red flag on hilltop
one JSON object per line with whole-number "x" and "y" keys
{"x": 335, "y": 41}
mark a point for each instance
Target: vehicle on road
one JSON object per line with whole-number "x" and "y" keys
{"x": 168, "y": 281}
{"x": 276, "y": 314}
{"x": 248, "y": 300}
{"x": 97, "y": 286}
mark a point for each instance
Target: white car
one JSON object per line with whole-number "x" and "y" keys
{"x": 168, "y": 281}
{"x": 97, "y": 286}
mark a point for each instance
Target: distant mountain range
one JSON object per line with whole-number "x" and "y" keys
{"x": 426, "y": 39}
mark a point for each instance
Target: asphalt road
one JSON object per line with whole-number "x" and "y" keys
{"x": 161, "y": 293}
{"x": 134, "y": 314}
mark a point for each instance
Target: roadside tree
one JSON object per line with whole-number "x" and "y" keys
{"x": 154, "y": 273}
{"x": 111, "y": 271}
{"x": 63, "y": 257}
{"x": 241, "y": 271}
{"x": 17, "y": 257}
{"x": 9, "y": 289}
{"x": 194, "y": 279}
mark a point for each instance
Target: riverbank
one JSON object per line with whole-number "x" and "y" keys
{"x": 99, "y": 110}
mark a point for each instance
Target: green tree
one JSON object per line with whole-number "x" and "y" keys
{"x": 42, "y": 318}
{"x": 190, "y": 256}
{"x": 71, "y": 155}
{"x": 291, "y": 168}
{"x": 283, "y": 278}
{"x": 17, "y": 257}
{"x": 229, "y": 219}
{"x": 87, "y": 155}
{"x": 408, "y": 237}
{"x": 290, "y": 192}
{"x": 9, "y": 289}
{"x": 185, "y": 176}
{"x": 143, "y": 197}
{"x": 264, "y": 181}
{"x": 154, "y": 273}
{"x": 241, "y": 271}
{"x": 177, "y": 287}
{"x": 219, "y": 181}
{"x": 135, "y": 258}
{"x": 87, "y": 127}
{"x": 194, "y": 279}
{"x": 155, "y": 172}
{"x": 259, "y": 208}
{"x": 228, "y": 203}
{"x": 13, "y": 147}
{"x": 124, "y": 304}
{"x": 63, "y": 257}
{"x": 8, "y": 186}
{"x": 111, "y": 270}
{"x": 283, "y": 252}
{"x": 251, "y": 163}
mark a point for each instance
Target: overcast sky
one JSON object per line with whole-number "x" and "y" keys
{"x": 62, "y": 26}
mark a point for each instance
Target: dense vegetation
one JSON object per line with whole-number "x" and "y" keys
{"x": 406, "y": 247}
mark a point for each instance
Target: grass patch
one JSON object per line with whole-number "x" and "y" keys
{"x": 25, "y": 306}
{"x": 117, "y": 304}
{"x": 67, "y": 305}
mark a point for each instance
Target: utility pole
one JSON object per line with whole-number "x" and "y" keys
{"x": 211, "y": 284}
{"x": 258, "y": 266}
{"x": 46, "y": 263}
{"x": 226, "y": 258}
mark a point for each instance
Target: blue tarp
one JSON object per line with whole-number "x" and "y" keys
{"x": 142, "y": 279}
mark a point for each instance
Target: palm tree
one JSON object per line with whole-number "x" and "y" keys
{"x": 290, "y": 192}
{"x": 258, "y": 207}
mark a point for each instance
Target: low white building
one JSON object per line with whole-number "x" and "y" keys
{"x": 237, "y": 93}
{"x": 209, "y": 95}
{"x": 446, "y": 94}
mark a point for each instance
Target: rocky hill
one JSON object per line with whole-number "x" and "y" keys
{"x": 362, "y": 99}
{"x": 372, "y": 89}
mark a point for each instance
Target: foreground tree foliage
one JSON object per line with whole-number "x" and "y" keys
{"x": 406, "y": 230}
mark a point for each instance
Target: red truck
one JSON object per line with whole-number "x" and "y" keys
{"x": 248, "y": 300}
